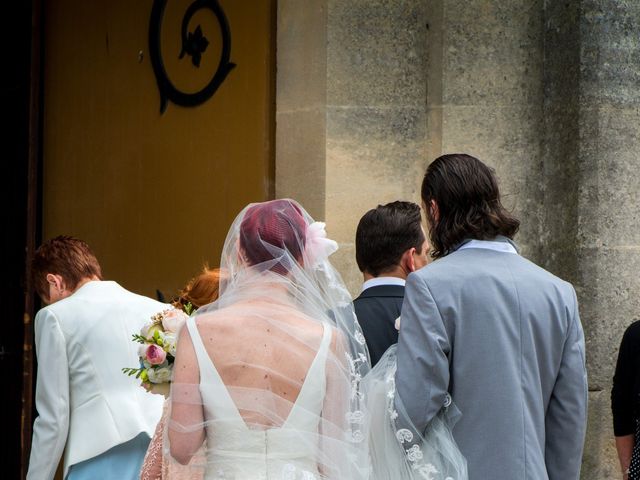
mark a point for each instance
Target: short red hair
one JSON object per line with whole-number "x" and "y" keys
{"x": 66, "y": 256}
{"x": 201, "y": 290}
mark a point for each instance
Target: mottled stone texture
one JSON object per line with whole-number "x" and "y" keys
{"x": 376, "y": 103}
{"x": 351, "y": 110}
{"x": 301, "y": 102}
{"x": 547, "y": 92}
{"x": 486, "y": 99}
{"x": 607, "y": 226}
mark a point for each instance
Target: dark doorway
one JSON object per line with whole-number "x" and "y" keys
{"x": 18, "y": 196}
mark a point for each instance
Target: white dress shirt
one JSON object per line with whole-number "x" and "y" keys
{"x": 377, "y": 281}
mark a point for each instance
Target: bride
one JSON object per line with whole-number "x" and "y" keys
{"x": 269, "y": 378}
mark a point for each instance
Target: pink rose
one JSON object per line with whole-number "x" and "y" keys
{"x": 172, "y": 320}
{"x": 155, "y": 355}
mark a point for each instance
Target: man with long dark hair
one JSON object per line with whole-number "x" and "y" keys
{"x": 499, "y": 334}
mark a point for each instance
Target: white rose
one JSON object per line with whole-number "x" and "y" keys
{"x": 144, "y": 331}
{"x": 142, "y": 350}
{"x": 159, "y": 375}
{"x": 172, "y": 320}
{"x": 170, "y": 343}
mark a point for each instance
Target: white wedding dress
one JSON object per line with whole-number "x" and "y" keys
{"x": 284, "y": 325}
{"x": 238, "y": 452}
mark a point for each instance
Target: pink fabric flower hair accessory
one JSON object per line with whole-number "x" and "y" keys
{"x": 317, "y": 246}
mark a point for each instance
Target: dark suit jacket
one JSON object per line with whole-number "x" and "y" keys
{"x": 377, "y": 309}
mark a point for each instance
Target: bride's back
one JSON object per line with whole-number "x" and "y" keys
{"x": 263, "y": 350}
{"x": 279, "y": 352}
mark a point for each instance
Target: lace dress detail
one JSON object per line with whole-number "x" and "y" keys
{"x": 399, "y": 450}
{"x": 157, "y": 466}
{"x": 152, "y": 465}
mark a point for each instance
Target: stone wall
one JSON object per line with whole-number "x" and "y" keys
{"x": 606, "y": 191}
{"x": 370, "y": 91}
{"x": 350, "y": 110}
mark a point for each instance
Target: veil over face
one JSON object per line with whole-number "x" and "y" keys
{"x": 285, "y": 359}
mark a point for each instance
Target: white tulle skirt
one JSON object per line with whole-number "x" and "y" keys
{"x": 397, "y": 451}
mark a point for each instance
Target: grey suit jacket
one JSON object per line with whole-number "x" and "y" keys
{"x": 503, "y": 336}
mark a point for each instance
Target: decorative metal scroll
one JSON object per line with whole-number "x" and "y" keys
{"x": 194, "y": 44}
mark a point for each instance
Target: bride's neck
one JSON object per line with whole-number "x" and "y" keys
{"x": 276, "y": 289}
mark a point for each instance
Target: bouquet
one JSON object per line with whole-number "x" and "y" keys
{"x": 157, "y": 350}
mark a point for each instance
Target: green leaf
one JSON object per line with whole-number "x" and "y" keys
{"x": 132, "y": 371}
{"x": 139, "y": 338}
{"x": 188, "y": 308}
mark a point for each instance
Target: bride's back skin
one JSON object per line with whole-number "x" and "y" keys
{"x": 260, "y": 344}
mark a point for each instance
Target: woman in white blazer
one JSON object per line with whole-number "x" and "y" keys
{"x": 87, "y": 407}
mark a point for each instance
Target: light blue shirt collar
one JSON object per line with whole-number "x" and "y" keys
{"x": 505, "y": 247}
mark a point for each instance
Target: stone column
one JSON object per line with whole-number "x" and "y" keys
{"x": 608, "y": 195}
{"x": 301, "y": 103}
{"x": 376, "y": 113}
{"x": 351, "y": 110}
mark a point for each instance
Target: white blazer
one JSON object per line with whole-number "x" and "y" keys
{"x": 85, "y": 403}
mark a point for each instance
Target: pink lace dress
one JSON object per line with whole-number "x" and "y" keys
{"x": 157, "y": 467}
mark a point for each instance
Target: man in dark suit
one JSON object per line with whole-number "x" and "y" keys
{"x": 390, "y": 244}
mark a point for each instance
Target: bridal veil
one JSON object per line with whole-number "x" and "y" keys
{"x": 273, "y": 379}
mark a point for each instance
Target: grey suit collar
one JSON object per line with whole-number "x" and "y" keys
{"x": 499, "y": 238}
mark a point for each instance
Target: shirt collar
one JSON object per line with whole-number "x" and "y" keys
{"x": 377, "y": 281}
{"x": 499, "y": 244}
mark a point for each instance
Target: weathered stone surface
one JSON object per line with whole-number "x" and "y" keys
{"x": 376, "y": 107}
{"x": 547, "y": 93}
{"x": 492, "y": 52}
{"x": 600, "y": 459}
{"x": 376, "y": 52}
{"x": 301, "y": 57}
{"x": 608, "y": 226}
{"x": 488, "y": 97}
{"x": 301, "y": 104}
{"x": 301, "y": 165}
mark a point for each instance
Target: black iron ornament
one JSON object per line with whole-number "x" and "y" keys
{"x": 194, "y": 44}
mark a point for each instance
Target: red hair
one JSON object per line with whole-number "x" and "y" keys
{"x": 66, "y": 256}
{"x": 201, "y": 290}
{"x": 278, "y": 223}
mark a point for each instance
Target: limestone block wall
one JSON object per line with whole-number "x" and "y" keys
{"x": 607, "y": 242}
{"x": 350, "y": 110}
{"x": 370, "y": 91}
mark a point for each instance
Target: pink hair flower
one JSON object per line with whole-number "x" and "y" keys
{"x": 318, "y": 246}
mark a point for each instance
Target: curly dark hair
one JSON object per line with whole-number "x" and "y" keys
{"x": 466, "y": 193}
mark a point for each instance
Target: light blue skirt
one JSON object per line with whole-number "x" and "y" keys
{"x": 122, "y": 462}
